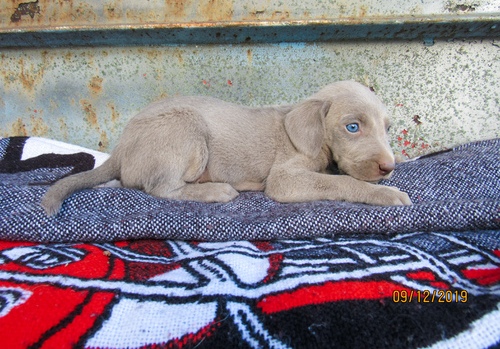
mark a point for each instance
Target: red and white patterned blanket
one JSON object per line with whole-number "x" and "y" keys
{"x": 404, "y": 289}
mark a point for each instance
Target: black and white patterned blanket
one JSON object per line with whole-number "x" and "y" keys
{"x": 457, "y": 190}
{"x": 120, "y": 269}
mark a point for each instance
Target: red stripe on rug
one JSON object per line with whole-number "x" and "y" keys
{"x": 483, "y": 277}
{"x": 329, "y": 292}
{"x": 68, "y": 336}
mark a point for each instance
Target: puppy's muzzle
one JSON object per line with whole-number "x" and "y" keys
{"x": 386, "y": 168}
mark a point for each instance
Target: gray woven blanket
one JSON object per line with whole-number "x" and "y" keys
{"x": 458, "y": 190}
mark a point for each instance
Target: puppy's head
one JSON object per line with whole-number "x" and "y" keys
{"x": 353, "y": 125}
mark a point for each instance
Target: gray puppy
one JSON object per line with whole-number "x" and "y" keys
{"x": 205, "y": 149}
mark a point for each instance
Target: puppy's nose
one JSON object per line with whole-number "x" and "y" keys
{"x": 386, "y": 167}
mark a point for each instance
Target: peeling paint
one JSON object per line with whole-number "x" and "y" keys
{"x": 462, "y": 6}
{"x": 25, "y": 9}
{"x": 85, "y": 13}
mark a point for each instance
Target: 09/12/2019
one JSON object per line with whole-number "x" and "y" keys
{"x": 430, "y": 296}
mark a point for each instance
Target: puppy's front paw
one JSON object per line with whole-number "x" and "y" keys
{"x": 390, "y": 196}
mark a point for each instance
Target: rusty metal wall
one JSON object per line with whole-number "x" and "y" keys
{"x": 107, "y": 13}
{"x": 442, "y": 90}
{"x": 62, "y": 23}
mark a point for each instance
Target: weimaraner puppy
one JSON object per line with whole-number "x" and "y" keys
{"x": 205, "y": 149}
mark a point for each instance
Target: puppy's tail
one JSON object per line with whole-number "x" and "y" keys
{"x": 62, "y": 189}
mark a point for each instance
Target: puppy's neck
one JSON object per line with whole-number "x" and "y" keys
{"x": 331, "y": 166}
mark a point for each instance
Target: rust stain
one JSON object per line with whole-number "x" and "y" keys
{"x": 216, "y": 10}
{"x": 89, "y": 58}
{"x": 38, "y": 126}
{"x": 249, "y": 56}
{"x": 95, "y": 85}
{"x": 63, "y": 127}
{"x": 114, "y": 113}
{"x": 114, "y": 10}
{"x": 17, "y": 128}
{"x": 90, "y": 113}
{"x": 162, "y": 95}
{"x": 29, "y": 77}
{"x": 256, "y": 13}
{"x": 53, "y": 105}
{"x": 466, "y": 6}
{"x": 70, "y": 12}
{"x": 25, "y": 8}
{"x": 362, "y": 11}
{"x": 179, "y": 55}
{"x": 263, "y": 13}
{"x": 280, "y": 15}
{"x": 68, "y": 57}
{"x": 103, "y": 142}
{"x": 83, "y": 13}
{"x": 153, "y": 55}
{"x": 167, "y": 14}
{"x": 47, "y": 59}
{"x": 176, "y": 8}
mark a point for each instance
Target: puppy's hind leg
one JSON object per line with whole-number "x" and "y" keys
{"x": 178, "y": 158}
{"x": 204, "y": 192}
{"x": 179, "y": 180}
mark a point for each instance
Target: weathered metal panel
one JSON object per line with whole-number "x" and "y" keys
{"x": 237, "y": 33}
{"x": 439, "y": 95}
{"x": 86, "y": 96}
{"x": 52, "y": 23}
{"x": 72, "y": 13}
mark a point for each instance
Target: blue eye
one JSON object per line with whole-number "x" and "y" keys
{"x": 353, "y": 128}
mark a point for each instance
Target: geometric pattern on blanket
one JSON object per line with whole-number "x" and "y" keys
{"x": 328, "y": 275}
{"x": 346, "y": 292}
{"x": 458, "y": 190}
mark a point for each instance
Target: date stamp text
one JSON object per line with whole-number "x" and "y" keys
{"x": 430, "y": 296}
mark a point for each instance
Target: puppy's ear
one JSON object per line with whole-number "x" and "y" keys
{"x": 305, "y": 125}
